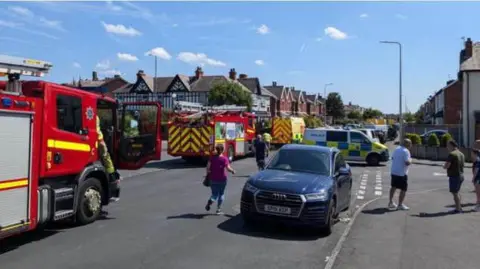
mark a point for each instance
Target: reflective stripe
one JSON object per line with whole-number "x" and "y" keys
{"x": 13, "y": 184}
{"x": 14, "y": 226}
{"x": 58, "y": 144}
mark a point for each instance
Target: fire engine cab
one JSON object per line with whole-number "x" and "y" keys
{"x": 49, "y": 165}
{"x": 193, "y": 135}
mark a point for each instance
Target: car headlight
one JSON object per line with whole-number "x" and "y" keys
{"x": 322, "y": 195}
{"x": 250, "y": 188}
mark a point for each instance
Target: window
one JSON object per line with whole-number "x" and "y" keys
{"x": 220, "y": 130}
{"x": 69, "y": 113}
{"x": 337, "y": 136}
{"x": 308, "y": 161}
{"x": 358, "y": 138}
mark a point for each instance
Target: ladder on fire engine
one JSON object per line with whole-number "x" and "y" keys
{"x": 14, "y": 67}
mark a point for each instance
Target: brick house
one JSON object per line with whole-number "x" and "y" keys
{"x": 314, "y": 104}
{"x": 107, "y": 85}
{"x": 299, "y": 104}
{"x": 262, "y": 98}
{"x": 448, "y": 103}
{"x": 283, "y": 103}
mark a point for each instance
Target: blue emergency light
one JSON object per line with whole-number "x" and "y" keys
{"x": 6, "y": 102}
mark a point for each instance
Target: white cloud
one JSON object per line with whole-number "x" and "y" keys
{"x": 52, "y": 24}
{"x": 364, "y": 16}
{"x": 302, "y": 48}
{"x": 120, "y": 29}
{"x": 76, "y": 65}
{"x": 175, "y": 25}
{"x": 159, "y": 52}
{"x": 103, "y": 65}
{"x": 401, "y": 16}
{"x": 259, "y": 62}
{"x": 198, "y": 58}
{"x": 20, "y": 27}
{"x": 127, "y": 57}
{"x": 21, "y": 11}
{"x": 112, "y": 72}
{"x": 334, "y": 33}
{"x": 263, "y": 29}
{"x": 111, "y": 6}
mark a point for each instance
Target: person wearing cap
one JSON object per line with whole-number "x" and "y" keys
{"x": 401, "y": 160}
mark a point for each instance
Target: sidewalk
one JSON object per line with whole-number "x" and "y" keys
{"x": 426, "y": 237}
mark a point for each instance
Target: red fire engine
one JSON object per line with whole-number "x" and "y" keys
{"x": 192, "y": 136}
{"x": 49, "y": 166}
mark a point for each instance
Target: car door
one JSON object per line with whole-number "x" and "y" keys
{"x": 140, "y": 138}
{"x": 342, "y": 181}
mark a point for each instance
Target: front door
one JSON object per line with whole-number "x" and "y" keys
{"x": 140, "y": 135}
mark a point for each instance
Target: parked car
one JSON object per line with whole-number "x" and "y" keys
{"x": 426, "y": 135}
{"x": 303, "y": 185}
{"x": 370, "y": 133}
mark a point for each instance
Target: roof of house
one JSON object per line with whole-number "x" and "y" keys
{"x": 472, "y": 63}
{"x": 253, "y": 84}
{"x": 310, "y": 97}
{"x": 124, "y": 89}
{"x": 275, "y": 90}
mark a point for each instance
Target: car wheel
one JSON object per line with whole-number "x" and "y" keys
{"x": 373, "y": 160}
{"x": 90, "y": 199}
{"x": 328, "y": 229}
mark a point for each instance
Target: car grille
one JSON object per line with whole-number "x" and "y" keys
{"x": 292, "y": 201}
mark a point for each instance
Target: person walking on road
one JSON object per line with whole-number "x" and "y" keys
{"x": 454, "y": 166}
{"x": 217, "y": 168}
{"x": 401, "y": 160}
{"x": 267, "y": 138}
{"x": 476, "y": 176}
{"x": 261, "y": 151}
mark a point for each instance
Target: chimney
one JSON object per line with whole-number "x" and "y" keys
{"x": 243, "y": 76}
{"x": 450, "y": 81}
{"x": 116, "y": 76}
{"x": 140, "y": 73}
{"x": 233, "y": 74}
{"x": 198, "y": 72}
{"x": 468, "y": 48}
{"x": 94, "y": 76}
{"x": 274, "y": 83}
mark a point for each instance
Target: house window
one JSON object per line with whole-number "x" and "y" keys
{"x": 69, "y": 113}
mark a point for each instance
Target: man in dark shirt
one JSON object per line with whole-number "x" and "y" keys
{"x": 454, "y": 165}
{"x": 261, "y": 150}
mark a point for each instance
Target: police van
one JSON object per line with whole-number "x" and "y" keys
{"x": 354, "y": 145}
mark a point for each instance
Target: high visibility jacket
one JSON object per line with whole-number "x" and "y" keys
{"x": 99, "y": 131}
{"x": 267, "y": 137}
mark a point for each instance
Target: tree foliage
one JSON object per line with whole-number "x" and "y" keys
{"x": 445, "y": 138}
{"x": 371, "y": 113}
{"x": 433, "y": 140}
{"x": 229, "y": 93}
{"x": 354, "y": 115}
{"x": 335, "y": 105}
{"x": 415, "y": 138}
{"x": 312, "y": 122}
{"x": 409, "y": 117}
{"x": 419, "y": 117}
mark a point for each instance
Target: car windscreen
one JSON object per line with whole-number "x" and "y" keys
{"x": 296, "y": 160}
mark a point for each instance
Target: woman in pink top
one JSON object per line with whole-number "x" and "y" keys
{"x": 217, "y": 171}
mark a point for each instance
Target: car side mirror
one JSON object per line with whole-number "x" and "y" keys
{"x": 344, "y": 171}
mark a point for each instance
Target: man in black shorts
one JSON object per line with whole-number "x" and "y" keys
{"x": 400, "y": 161}
{"x": 261, "y": 151}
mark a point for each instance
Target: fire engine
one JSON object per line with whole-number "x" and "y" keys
{"x": 193, "y": 135}
{"x": 286, "y": 130}
{"x": 49, "y": 165}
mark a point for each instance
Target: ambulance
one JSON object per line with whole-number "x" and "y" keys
{"x": 354, "y": 145}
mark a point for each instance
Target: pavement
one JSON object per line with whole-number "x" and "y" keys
{"x": 160, "y": 222}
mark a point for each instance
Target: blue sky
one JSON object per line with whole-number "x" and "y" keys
{"x": 305, "y": 45}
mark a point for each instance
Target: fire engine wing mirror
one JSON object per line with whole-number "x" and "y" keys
{"x": 83, "y": 131}
{"x": 140, "y": 134}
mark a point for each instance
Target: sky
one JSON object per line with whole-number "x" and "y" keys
{"x": 300, "y": 44}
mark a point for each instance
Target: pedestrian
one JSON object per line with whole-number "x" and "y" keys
{"x": 454, "y": 166}
{"x": 401, "y": 160}
{"x": 261, "y": 151}
{"x": 217, "y": 168}
{"x": 476, "y": 175}
{"x": 268, "y": 139}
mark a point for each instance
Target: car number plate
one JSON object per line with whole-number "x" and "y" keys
{"x": 278, "y": 209}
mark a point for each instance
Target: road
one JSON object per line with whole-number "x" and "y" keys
{"x": 160, "y": 222}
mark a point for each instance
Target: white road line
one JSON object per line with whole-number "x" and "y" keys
{"x": 363, "y": 187}
{"x": 361, "y": 192}
{"x": 359, "y": 197}
{"x": 378, "y": 188}
{"x": 378, "y": 193}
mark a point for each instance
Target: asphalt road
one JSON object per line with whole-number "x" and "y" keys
{"x": 160, "y": 222}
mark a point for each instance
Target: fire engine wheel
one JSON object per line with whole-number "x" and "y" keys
{"x": 230, "y": 153}
{"x": 90, "y": 201}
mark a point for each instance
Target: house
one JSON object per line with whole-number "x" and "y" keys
{"x": 351, "y": 107}
{"x": 448, "y": 103}
{"x": 299, "y": 104}
{"x": 315, "y": 105}
{"x": 283, "y": 103}
{"x": 470, "y": 77}
{"x": 106, "y": 85}
{"x": 262, "y": 98}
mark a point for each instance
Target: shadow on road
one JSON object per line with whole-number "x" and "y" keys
{"x": 235, "y": 225}
{"x": 378, "y": 211}
{"x": 361, "y": 164}
{"x": 463, "y": 205}
{"x": 439, "y": 214}
{"x": 197, "y": 216}
{"x": 172, "y": 164}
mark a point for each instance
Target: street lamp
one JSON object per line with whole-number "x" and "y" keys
{"x": 399, "y": 86}
{"x": 325, "y": 98}
{"x": 155, "y": 78}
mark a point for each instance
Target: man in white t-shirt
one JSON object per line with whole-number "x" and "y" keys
{"x": 401, "y": 160}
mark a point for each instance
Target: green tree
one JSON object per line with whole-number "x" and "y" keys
{"x": 371, "y": 113}
{"x": 409, "y": 117}
{"x": 335, "y": 106}
{"x": 433, "y": 140}
{"x": 444, "y": 140}
{"x": 354, "y": 115}
{"x": 229, "y": 93}
{"x": 312, "y": 122}
{"x": 419, "y": 117}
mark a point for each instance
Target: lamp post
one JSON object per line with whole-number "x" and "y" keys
{"x": 399, "y": 85}
{"x": 325, "y": 97}
{"x": 155, "y": 77}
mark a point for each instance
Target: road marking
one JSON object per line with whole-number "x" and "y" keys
{"x": 378, "y": 193}
{"x": 439, "y": 174}
{"x": 378, "y": 188}
{"x": 363, "y": 187}
{"x": 361, "y": 192}
{"x": 346, "y": 232}
{"x": 360, "y": 197}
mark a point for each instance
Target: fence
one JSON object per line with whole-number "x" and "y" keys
{"x": 453, "y": 129}
{"x": 436, "y": 153}
{"x": 165, "y": 98}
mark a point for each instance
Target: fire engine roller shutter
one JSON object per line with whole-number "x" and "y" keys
{"x": 15, "y": 138}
